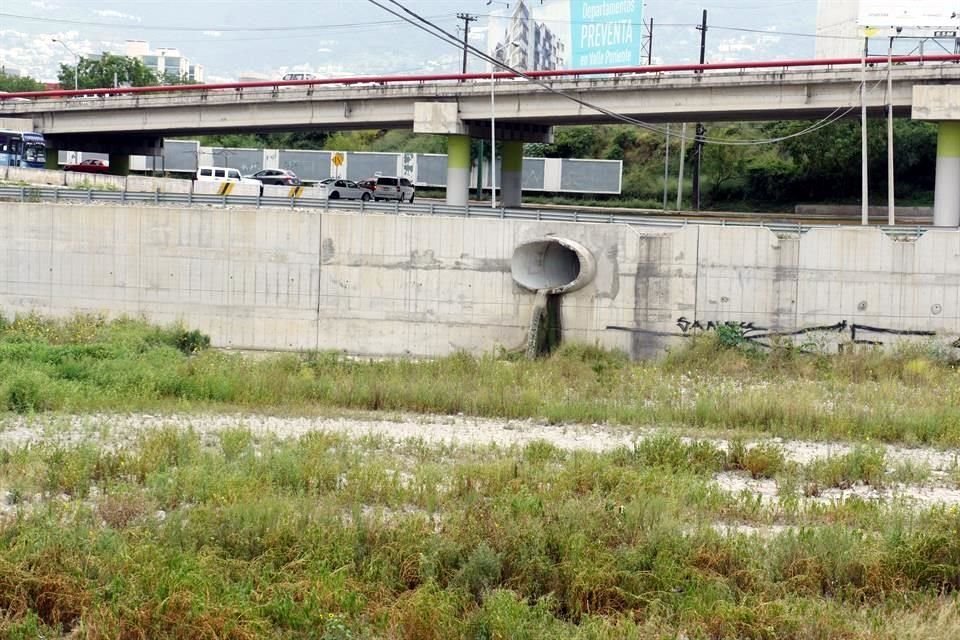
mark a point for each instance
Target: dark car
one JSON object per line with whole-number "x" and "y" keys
{"x": 283, "y": 177}
{"x": 89, "y": 166}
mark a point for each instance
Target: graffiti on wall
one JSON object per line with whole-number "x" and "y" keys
{"x": 748, "y": 331}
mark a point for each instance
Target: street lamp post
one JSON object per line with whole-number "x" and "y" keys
{"x": 493, "y": 139}
{"x": 76, "y": 68}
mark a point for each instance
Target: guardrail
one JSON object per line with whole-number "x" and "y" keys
{"x": 643, "y": 217}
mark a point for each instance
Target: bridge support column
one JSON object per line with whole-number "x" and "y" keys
{"x": 458, "y": 169}
{"x": 119, "y": 164}
{"x": 52, "y": 158}
{"x": 946, "y": 203}
{"x": 511, "y": 174}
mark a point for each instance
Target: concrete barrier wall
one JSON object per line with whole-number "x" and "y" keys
{"x": 277, "y": 191}
{"x": 392, "y": 285}
{"x": 32, "y": 176}
{"x": 877, "y": 214}
{"x": 226, "y": 188}
{"x": 94, "y": 181}
{"x": 163, "y": 185}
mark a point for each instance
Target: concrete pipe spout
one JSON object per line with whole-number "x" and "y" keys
{"x": 550, "y": 267}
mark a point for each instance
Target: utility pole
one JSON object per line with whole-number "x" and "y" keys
{"x": 701, "y": 130}
{"x": 864, "y": 146}
{"x": 683, "y": 149}
{"x": 467, "y": 19}
{"x": 891, "y": 216}
{"x": 647, "y": 47}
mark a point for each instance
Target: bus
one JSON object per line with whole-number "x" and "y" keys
{"x": 22, "y": 149}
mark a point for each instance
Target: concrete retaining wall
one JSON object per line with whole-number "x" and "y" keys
{"x": 391, "y": 285}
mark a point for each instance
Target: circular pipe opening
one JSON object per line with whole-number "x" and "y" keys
{"x": 552, "y": 265}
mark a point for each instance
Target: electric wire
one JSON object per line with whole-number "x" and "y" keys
{"x": 449, "y": 38}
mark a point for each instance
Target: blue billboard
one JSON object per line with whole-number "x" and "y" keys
{"x": 568, "y": 34}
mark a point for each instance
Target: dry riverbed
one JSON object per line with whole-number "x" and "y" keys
{"x": 939, "y": 468}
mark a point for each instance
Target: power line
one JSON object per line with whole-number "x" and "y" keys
{"x": 438, "y": 32}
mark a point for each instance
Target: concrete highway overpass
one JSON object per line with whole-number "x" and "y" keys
{"x": 459, "y": 105}
{"x": 722, "y": 92}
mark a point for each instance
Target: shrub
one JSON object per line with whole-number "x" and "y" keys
{"x": 480, "y": 572}
{"x": 764, "y": 460}
{"x": 27, "y": 392}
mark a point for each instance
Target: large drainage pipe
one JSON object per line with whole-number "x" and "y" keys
{"x": 550, "y": 267}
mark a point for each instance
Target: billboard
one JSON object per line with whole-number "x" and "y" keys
{"x": 926, "y": 16}
{"x": 568, "y": 34}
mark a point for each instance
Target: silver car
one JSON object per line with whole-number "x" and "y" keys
{"x": 337, "y": 189}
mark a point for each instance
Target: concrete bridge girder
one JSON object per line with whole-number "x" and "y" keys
{"x": 725, "y": 96}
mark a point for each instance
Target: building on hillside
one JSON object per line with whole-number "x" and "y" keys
{"x": 165, "y": 61}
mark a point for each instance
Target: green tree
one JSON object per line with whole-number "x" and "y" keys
{"x": 13, "y": 84}
{"x": 828, "y": 161}
{"x": 105, "y": 70}
{"x": 725, "y": 167}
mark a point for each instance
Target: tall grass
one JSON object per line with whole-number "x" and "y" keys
{"x": 87, "y": 363}
{"x": 178, "y": 537}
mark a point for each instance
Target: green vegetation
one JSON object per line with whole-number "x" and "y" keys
{"x": 12, "y": 84}
{"x": 222, "y": 532}
{"x": 89, "y": 364}
{"x": 243, "y": 536}
{"x": 108, "y": 70}
{"x": 821, "y": 166}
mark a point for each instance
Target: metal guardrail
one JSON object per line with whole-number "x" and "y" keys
{"x": 649, "y": 219}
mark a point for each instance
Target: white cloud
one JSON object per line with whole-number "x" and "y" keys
{"x": 213, "y": 34}
{"x": 38, "y": 56}
{"x": 110, "y": 13}
{"x": 324, "y": 50}
{"x": 43, "y": 6}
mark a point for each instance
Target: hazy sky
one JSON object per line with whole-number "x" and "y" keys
{"x": 234, "y": 37}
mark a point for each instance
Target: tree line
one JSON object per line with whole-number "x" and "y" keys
{"x": 103, "y": 71}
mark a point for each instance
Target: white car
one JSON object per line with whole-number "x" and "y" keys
{"x": 390, "y": 188}
{"x": 339, "y": 189}
{"x": 223, "y": 174}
